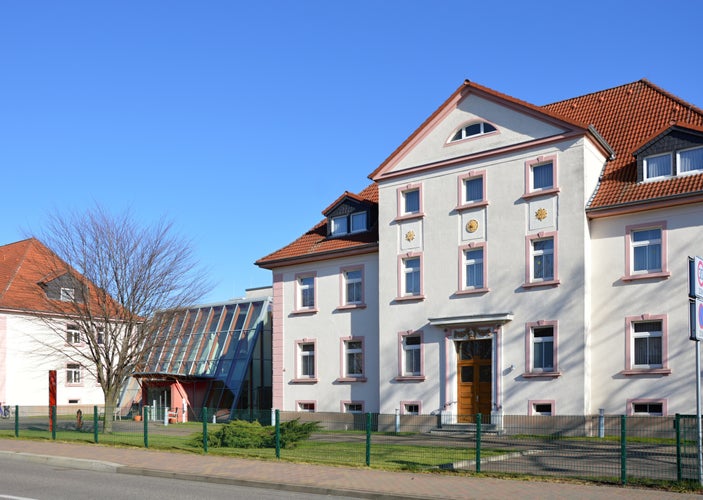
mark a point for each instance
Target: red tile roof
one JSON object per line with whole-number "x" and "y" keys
{"x": 315, "y": 244}
{"x": 627, "y": 117}
{"x": 20, "y": 273}
{"x": 24, "y": 266}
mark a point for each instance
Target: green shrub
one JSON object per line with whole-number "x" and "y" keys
{"x": 243, "y": 434}
{"x": 293, "y": 432}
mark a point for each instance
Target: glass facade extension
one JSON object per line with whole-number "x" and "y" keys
{"x": 224, "y": 349}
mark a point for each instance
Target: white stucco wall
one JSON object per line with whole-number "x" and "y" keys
{"x": 28, "y": 362}
{"x": 614, "y": 299}
{"x": 507, "y": 222}
{"x": 514, "y": 128}
{"x": 327, "y": 326}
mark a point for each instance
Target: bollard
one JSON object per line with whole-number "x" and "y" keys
{"x": 95, "y": 424}
{"x": 397, "y": 421}
{"x": 601, "y": 423}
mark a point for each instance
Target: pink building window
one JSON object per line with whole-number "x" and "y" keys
{"x": 541, "y": 176}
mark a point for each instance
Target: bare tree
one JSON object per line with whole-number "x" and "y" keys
{"x": 108, "y": 276}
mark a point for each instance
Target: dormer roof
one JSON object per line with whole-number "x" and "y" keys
{"x": 315, "y": 244}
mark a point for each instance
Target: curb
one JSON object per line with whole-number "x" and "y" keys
{"x": 75, "y": 463}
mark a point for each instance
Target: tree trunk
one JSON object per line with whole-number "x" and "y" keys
{"x": 111, "y": 396}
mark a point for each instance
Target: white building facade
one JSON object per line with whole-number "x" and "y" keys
{"x": 529, "y": 260}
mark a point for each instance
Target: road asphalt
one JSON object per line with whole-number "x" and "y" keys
{"x": 309, "y": 478}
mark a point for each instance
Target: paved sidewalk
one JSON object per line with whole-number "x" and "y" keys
{"x": 356, "y": 482}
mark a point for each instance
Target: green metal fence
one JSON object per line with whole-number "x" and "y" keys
{"x": 610, "y": 448}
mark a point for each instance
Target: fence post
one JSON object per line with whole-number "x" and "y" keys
{"x": 17, "y": 420}
{"x": 368, "y": 439}
{"x": 478, "y": 442}
{"x": 623, "y": 450}
{"x": 677, "y": 426}
{"x": 205, "y": 437}
{"x": 95, "y": 424}
{"x": 278, "y": 434}
{"x": 53, "y": 423}
{"x": 145, "y": 419}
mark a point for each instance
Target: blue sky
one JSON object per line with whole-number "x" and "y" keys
{"x": 241, "y": 121}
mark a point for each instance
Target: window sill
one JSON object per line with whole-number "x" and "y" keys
{"x": 410, "y": 378}
{"x": 300, "y": 312}
{"x": 646, "y": 371}
{"x": 74, "y": 385}
{"x": 351, "y": 306}
{"x": 401, "y": 218}
{"x": 468, "y": 206}
{"x": 409, "y": 298}
{"x": 350, "y": 379}
{"x": 541, "y": 374}
{"x": 544, "y": 192}
{"x": 644, "y": 276}
{"x": 535, "y": 284}
{"x": 472, "y": 291}
{"x": 304, "y": 381}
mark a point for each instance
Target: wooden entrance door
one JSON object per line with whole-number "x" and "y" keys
{"x": 475, "y": 372}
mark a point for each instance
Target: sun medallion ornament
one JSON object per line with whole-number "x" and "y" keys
{"x": 541, "y": 214}
{"x": 472, "y": 226}
{"x": 410, "y": 235}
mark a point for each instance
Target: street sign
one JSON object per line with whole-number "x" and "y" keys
{"x": 698, "y": 281}
{"x": 699, "y": 319}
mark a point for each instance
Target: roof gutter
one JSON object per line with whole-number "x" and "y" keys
{"x": 289, "y": 261}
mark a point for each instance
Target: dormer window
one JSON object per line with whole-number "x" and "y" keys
{"x": 676, "y": 151}
{"x": 690, "y": 160}
{"x": 348, "y": 224}
{"x": 657, "y": 166}
{"x": 67, "y": 294}
{"x": 472, "y": 130}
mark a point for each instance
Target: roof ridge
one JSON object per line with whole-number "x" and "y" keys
{"x": 674, "y": 97}
{"x": 595, "y": 92}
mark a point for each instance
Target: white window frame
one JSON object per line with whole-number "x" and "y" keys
{"x": 678, "y": 161}
{"x": 300, "y": 360}
{"x": 530, "y": 341}
{"x": 485, "y": 128}
{"x": 353, "y": 225}
{"x": 73, "y": 335}
{"x": 411, "y": 407}
{"x": 630, "y": 245}
{"x": 74, "y": 375}
{"x": 401, "y": 194}
{"x": 463, "y": 288}
{"x": 530, "y": 165}
{"x": 340, "y": 225}
{"x": 531, "y": 253}
{"x": 631, "y": 403}
{"x": 462, "y": 181}
{"x": 533, "y": 407}
{"x": 302, "y": 286}
{"x": 304, "y": 406}
{"x": 645, "y": 169}
{"x": 345, "y": 352}
{"x": 345, "y": 281}
{"x": 346, "y": 407}
{"x": 630, "y": 335}
{"x": 355, "y": 222}
{"x": 404, "y": 271}
{"x": 67, "y": 294}
{"x": 404, "y": 350}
